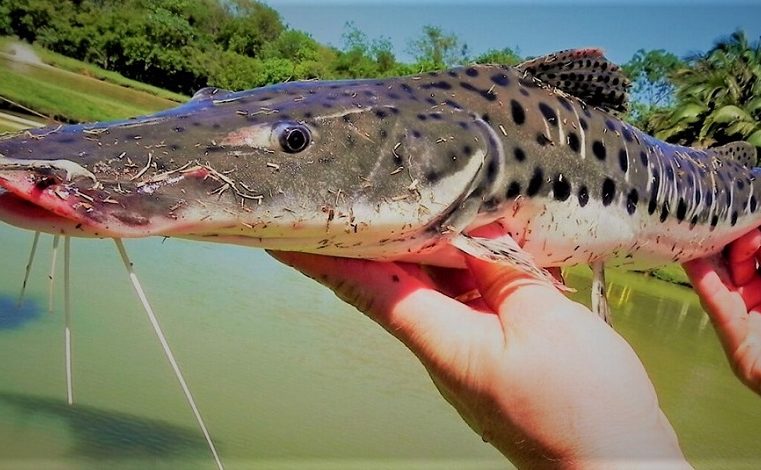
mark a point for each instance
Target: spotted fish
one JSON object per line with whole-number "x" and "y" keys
{"x": 397, "y": 169}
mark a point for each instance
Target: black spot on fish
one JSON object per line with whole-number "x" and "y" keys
{"x": 383, "y": 134}
{"x": 584, "y": 124}
{"x": 627, "y": 134}
{"x": 623, "y": 160}
{"x": 670, "y": 173}
{"x": 432, "y": 177}
{"x": 564, "y": 103}
{"x": 654, "y": 193}
{"x": 524, "y": 92}
{"x": 416, "y": 133}
{"x": 535, "y": 183}
{"x": 422, "y": 117}
{"x": 598, "y": 149}
{"x": 643, "y": 158}
{"x": 348, "y": 118}
{"x": 513, "y": 190}
{"x": 214, "y": 148}
{"x": 308, "y": 115}
{"x": 380, "y": 114}
{"x": 549, "y": 114}
{"x": 394, "y": 278}
{"x": 488, "y": 95}
{"x": 631, "y": 201}
{"x": 471, "y": 72}
{"x": 709, "y": 198}
{"x": 491, "y": 170}
{"x": 174, "y": 147}
{"x": 452, "y": 104}
{"x": 733, "y": 220}
{"x": 519, "y": 154}
{"x": 431, "y": 101}
{"x": 610, "y": 125}
{"x": 681, "y": 210}
{"x": 542, "y": 139}
{"x": 500, "y": 79}
{"x": 176, "y": 129}
{"x": 583, "y": 196}
{"x": 693, "y": 221}
{"x": 442, "y": 85}
{"x": 463, "y": 124}
{"x": 573, "y": 142}
{"x": 608, "y": 191}
{"x": 486, "y": 118}
{"x": 452, "y": 74}
{"x": 406, "y": 88}
{"x": 561, "y": 190}
{"x": 519, "y": 115}
{"x": 753, "y": 204}
{"x": 714, "y": 220}
{"x": 436, "y": 116}
{"x": 467, "y": 150}
{"x": 740, "y": 184}
{"x": 664, "y": 211}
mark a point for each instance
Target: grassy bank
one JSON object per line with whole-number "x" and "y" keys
{"x": 89, "y": 70}
{"x": 73, "y": 97}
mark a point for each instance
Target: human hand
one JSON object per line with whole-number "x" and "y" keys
{"x": 729, "y": 286}
{"x": 538, "y": 376}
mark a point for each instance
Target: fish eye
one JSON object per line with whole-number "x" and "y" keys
{"x": 294, "y": 138}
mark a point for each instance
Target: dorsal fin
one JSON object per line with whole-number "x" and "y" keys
{"x": 208, "y": 92}
{"x": 741, "y": 151}
{"x": 585, "y": 74}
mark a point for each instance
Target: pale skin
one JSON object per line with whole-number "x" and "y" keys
{"x": 729, "y": 286}
{"x": 538, "y": 376}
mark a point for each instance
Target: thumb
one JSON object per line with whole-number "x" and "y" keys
{"x": 505, "y": 287}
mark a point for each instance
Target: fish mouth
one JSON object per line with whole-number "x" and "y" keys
{"x": 63, "y": 198}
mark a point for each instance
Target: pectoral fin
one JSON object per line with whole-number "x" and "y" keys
{"x": 505, "y": 250}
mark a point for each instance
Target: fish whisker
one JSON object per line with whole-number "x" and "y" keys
{"x": 165, "y": 346}
{"x": 67, "y": 317}
{"x": 51, "y": 276}
{"x": 32, "y": 252}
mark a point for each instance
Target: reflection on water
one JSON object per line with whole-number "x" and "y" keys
{"x": 285, "y": 375}
{"x": 100, "y": 433}
{"x": 15, "y": 315}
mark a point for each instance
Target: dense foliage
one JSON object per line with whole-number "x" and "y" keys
{"x": 183, "y": 45}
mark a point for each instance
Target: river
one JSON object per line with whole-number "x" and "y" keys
{"x": 285, "y": 375}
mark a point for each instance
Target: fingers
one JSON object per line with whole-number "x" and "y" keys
{"x": 501, "y": 284}
{"x": 742, "y": 256}
{"x": 398, "y": 297}
{"x": 726, "y": 307}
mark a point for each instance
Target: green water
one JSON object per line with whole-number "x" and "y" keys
{"x": 284, "y": 374}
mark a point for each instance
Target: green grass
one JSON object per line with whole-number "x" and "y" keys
{"x": 93, "y": 71}
{"x": 672, "y": 273}
{"x": 71, "y": 97}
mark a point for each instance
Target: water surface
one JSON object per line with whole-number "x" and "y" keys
{"x": 285, "y": 375}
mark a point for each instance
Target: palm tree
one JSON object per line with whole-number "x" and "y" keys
{"x": 718, "y": 97}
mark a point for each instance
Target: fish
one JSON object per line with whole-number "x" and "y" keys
{"x": 399, "y": 169}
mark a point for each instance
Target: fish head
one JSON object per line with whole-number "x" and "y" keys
{"x": 306, "y": 166}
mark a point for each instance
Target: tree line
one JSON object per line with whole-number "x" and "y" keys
{"x": 183, "y": 45}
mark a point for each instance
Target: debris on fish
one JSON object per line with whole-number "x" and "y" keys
{"x": 397, "y": 169}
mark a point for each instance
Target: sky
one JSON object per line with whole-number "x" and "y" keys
{"x": 533, "y": 28}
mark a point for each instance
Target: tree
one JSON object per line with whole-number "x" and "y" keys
{"x": 718, "y": 97}
{"x": 652, "y": 87}
{"x": 506, "y": 56}
{"x": 435, "y": 50}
